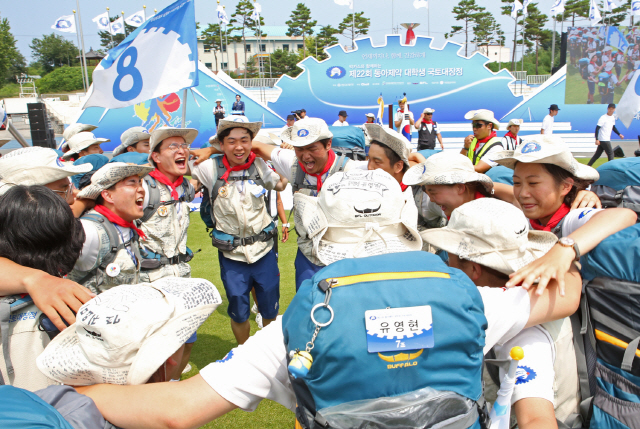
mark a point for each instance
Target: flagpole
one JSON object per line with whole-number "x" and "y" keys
{"x": 124, "y": 25}
{"x": 184, "y": 108}
{"x": 553, "y": 45}
{"x": 144, "y": 12}
{"x": 353, "y": 25}
{"x": 428, "y": 23}
{"x": 84, "y": 84}
{"x": 524, "y": 17}
{"x": 84, "y": 59}
{"x": 110, "y": 32}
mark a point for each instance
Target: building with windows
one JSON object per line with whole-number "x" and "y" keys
{"x": 232, "y": 56}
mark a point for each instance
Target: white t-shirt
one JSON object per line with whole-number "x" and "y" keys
{"x": 606, "y": 124}
{"x": 547, "y": 124}
{"x": 340, "y": 124}
{"x": 91, "y": 247}
{"x": 576, "y": 218}
{"x": 258, "y": 368}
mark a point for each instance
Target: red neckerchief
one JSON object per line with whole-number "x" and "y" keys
{"x": 553, "y": 222}
{"x": 511, "y": 135}
{"x": 484, "y": 140}
{"x": 245, "y": 166}
{"x": 403, "y": 187}
{"x": 330, "y": 160}
{"x": 424, "y": 121}
{"x": 114, "y": 218}
{"x": 160, "y": 177}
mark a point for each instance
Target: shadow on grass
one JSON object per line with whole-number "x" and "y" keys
{"x": 209, "y": 348}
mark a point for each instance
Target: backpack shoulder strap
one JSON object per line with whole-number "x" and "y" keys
{"x": 218, "y": 171}
{"x": 114, "y": 242}
{"x": 8, "y": 305}
{"x": 298, "y": 180}
{"x": 154, "y": 198}
{"x": 339, "y": 165}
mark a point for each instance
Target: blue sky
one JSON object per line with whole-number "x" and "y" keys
{"x": 33, "y": 18}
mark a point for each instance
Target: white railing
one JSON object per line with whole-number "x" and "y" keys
{"x": 519, "y": 75}
{"x": 265, "y": 82}
{"x": 537, "y": 79}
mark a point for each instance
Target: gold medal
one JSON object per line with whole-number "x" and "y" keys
{"x": 223, "y": 192}
{"x": 163, "y": 211}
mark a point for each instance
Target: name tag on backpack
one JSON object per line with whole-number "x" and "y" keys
{"x": 393, "y": 329}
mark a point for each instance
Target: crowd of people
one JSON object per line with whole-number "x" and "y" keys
{"x": 102, "y": 299}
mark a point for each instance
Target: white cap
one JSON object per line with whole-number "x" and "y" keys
{"x": 125, "y": 334}
{"x": 516, "y": 122}
{"x": 445, "y": 168}
{"x": 483, "y": 115}
{"x": 359, "y": 213}
{"x": 391, "y": 139}
{"x": 36, "y": 166}
{"x": 159, "y": 134}
{"x": 428, "y": 110}
{"x": 492, "y": 233}
{"x": 110, "y": 174}
{"x": 305, "y": 132}
{"x": 80, "y": 142}
{"x": 71, "y": 131}
{"x": 130, "y": 137}
{"x": 545, "y": 149}
{"x": 370, "y": 115}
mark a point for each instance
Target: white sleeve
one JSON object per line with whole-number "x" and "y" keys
{"x": 269, "y": 177}
{"x": 89, "y": 255}
{"x": 601, "y": 121}
{"x": 336, "y": 124}
{"x": 203, "y": 173}
{"x": 535, "y": 375}
{"x": 507, "y": 312}
{"x": 283, "y": 160}
{"x": 489, "y": 154}
{"x": 254, "y": 371}
{"x": 576, "y": 218}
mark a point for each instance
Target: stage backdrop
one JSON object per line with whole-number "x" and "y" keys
{"x": 442, "y": 79}
{"x": 600, "y": 63}
{"x": 167, "y": 111}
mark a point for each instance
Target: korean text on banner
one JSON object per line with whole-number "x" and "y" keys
{"x": 158, "y": 58}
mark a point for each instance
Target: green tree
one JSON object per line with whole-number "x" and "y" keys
{"x": 576, "y": 8}
{"x": 618, "y": 14}
{"x": 487, "y": 31}
{"x": 53, "y": 51}
{"x": 326, "y": 37}
{"x": 353, "y": 28}
{"x": 63, "y": 79}
{"x": 251, "y": 69}
{"x": 301, "y": 24}
{"x": 534, "y": 28}
{"x": 108, "y": 41}
{"x": 244, "y": 23}
{"x": 506, "y": 10}
{"x": 469, "y": 12}
{"x": 284, "y": 62}
{"x": 214, "y": 39}
{"x": 12, "y": 62}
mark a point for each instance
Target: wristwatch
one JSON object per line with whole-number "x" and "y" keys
{"x": 570, "y": 242}
{"x": 286, "y": 225}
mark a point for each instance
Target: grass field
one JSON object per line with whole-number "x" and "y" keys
{"x": 215, "y": 338}
{"x": 577, "y": 91}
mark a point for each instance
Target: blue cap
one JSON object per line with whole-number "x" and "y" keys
{"x": 96, "y": 160}
{"x": 131, "y": 158}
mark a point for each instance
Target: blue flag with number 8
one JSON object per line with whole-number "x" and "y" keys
{"x": 158, "y": 58}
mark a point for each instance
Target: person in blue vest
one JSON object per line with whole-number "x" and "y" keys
{"x": 342, "y": 235}
{"x": 480, "y": 146}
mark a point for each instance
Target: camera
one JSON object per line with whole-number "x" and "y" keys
{"x": 296, "y": 112}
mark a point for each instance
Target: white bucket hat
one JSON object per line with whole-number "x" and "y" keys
{"x": 429, "y": 110}
{"x": 80, "y": 142}
{"x": 446, "y": 168}
{"x": 545, "y": 149}
{"x": 516, "y": 122}
{"x": 131, "y": 137}
{"x": 305, "y": 132}
{"x": 37, "y": 166}
{"x": 236, "y": 121}
{"x": 492, "y": 233}
{"x": 370, "y": 115}
{"x": 391, "y": 139}
{"x": 71, "y": 131}
{"x": 359, "y": 213}
{"x": 159, "y": 134}
{"x": 483, "y": 115}
{"x": 110, "y": 174}
{"x": 125, "y": 334}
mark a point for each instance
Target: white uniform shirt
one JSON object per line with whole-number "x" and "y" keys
{"x": 258, "y": 368}
{"x": 547, "y": 125}
{"x": 340, "y": 124}
{"x": 606, "y": 124}
{"x": 576, "y": 218}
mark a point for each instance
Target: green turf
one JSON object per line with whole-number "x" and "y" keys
{"x": 577, "y": 90}
{"x": 596, "y": 164}
{"x": 215, "y": 338}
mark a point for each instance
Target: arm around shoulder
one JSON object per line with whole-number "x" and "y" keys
{"x": 558, "y": 300}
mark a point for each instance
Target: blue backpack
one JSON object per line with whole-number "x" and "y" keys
{"x": 619, "y": 184}
{"x": 132, "y": 158}
{"x": 428, "y": 152}
{"x": 349, "y": 141}
{"x": 21, "y": 409}
{"x": 501, "y": 174}
{"x": 404, "y": 381}
{"x": 607, "y": 332}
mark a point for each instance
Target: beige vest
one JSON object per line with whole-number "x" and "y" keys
{"x": 167, "y": 236}
{"x": 102, "y": 281}
{"x": 566, "y": 390}
{"x": 242, "y": 216}
{"x": 26, "y": 342}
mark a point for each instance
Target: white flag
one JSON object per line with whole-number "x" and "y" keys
{"x": 609, "y": 5}
{"x": 117, "y": 26}
{"x": 66, "y": 24}
{"x": 222, "y": 15}
{"x": 420, "y": 3}
{"x": 558, "y": 7}
{"x": 525, "y": 4}
{"x": 635, "y": 7}
{"x": 629, "y": 104}
{"x": 102, "y": 21}
{"x": 257, "y": 9}
{"x": 345, "y": 3}
{"x": 594, "y": 13}
{"x": 515, "y": 8}
{"x": 136, "y": 19}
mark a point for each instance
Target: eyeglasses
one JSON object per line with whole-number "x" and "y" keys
{"x": 66, "y": 192}
{"x": 175, "y": 146}
{"x": 478, "y": 124}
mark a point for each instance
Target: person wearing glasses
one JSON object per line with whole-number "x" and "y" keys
{"x": 483, "y": 143}
{"x": 428, "y": 130}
